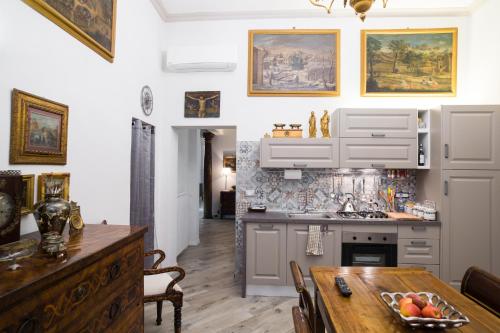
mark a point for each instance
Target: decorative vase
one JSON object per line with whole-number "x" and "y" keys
{"x": 52, "y": 214}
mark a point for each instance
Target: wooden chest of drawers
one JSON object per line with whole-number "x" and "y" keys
{"x": 99, "y": 288}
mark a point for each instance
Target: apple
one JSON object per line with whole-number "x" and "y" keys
{"x": 410, "y": 310}
{"x": 417, "y": 300}
{"x": 403, "y": 301}
{"x": 430, "y": 311}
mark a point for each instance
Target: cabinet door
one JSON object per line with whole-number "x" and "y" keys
{"x": 266, "y": 254}
{"x": 299, "y": 153}
{"x": 434, "y": 269}
{"x": 470, "y": 223}
{"x": 297, "y": 235}
{"x": 418, "y": 251}
{"x": 378, "y": 123}
{"x": 378, "y": 153}
{"x": 471, "y": 137}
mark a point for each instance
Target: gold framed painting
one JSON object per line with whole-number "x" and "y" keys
{"x": 57, "y": 179}
{"x": 409, "y": 62}
{"x": 27, "y": 194}
{"x": 39, "y": 130}
{"x": 91, "y": 22}
{"x": 295, "y": 62}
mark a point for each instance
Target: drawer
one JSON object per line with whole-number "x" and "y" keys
{"x": 384, "y": 153}
{"x": 418, "y": 231}
{"x": 434, "y": 269}
{"x": 378, "y": 123}
{"x": 418, "y": 251}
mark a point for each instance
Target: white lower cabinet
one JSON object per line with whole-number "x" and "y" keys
{"x": 418, "y": 251}
{"x": 434, "y": 269}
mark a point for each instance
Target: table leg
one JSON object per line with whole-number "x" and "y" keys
{"x": 319, "y": 325}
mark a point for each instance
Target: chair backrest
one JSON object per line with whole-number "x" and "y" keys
{"x": 305, "y": 300}
{"x": 300, "y": 322}
{"x": 483, "y": 288}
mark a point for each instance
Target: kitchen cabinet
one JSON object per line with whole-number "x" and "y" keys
{"x": 471, "y": 222}
{"x": 378, "y": 123}
{"x": 434, "y": 269}
{"x": 382, "y": 153}
{"x": 418, "y": 231}
{"x": 297, "y": 235}
{"x": 299, "y": 153}
{"x": 471, "y": 137}
{"x": 418, "y": 251}
{"x": 266, "y": 262}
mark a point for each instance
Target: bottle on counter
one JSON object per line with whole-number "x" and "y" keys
{"x": 421, "y": 155}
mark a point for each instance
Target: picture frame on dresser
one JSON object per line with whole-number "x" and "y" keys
{"x": 39, "y": 130}
{"x": 409, "y": 62}
{"x": 294, "y": 62}
{"x": 27, "y": 194}
{"x": 61, "y": 179}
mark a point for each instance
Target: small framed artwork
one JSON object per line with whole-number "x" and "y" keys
{"x": 39, "y": 130}
{"x": 57, "y": 179}
{"x": 409, "y": 62}
{"x": 27, "y": 194}
{"x": 202, "y": 104}
{"x": 294, "y": 62}
{"x": 229, "y": 160}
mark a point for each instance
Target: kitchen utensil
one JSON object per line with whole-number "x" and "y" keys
{"x": 279, "y": 125}
{"x": 348, "y": 204}
{"x": 403, "y": 216}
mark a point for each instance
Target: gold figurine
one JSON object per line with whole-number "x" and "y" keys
{"x": 312, "y": 125}
{"x": 325, "y": 125}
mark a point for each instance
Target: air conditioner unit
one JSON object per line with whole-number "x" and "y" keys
{"x": 213, "y": 58}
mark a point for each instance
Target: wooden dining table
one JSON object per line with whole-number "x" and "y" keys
{"x": 365, "y": 311}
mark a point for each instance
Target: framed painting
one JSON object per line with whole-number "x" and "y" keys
{"x": 294, "y": 62}
{"x": 91, "y": 22}
{"x": 39, "y": 130}
{"x": 27, "y": 194}
{"x": 229, "y": 160}
{"x": 56, "y": 179}
{"x": 409, "y": 62}
{"x": 202, "y": 104}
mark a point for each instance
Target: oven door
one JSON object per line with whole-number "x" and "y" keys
{"x": 371, "y": 255}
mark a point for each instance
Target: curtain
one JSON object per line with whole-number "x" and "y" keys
{"x": 142, "y": 182}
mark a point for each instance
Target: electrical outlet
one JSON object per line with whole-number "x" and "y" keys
{"x": 249, "y": 193}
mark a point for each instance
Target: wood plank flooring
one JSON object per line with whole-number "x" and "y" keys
{"x": 212, "y": 298}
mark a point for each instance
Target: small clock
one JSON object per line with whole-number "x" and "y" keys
{"x": 7, "y": 208}
{"x": 147, "y": 100}
{"x": 75, "y": 219}
{"x": 10, "y": 208}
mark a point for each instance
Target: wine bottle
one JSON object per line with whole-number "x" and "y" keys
{"x": 421, "y": 155}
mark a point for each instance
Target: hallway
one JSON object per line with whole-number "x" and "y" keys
{"x": 212, "y": 299}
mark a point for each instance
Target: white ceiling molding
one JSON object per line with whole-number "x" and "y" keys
{"x": 184, "y": 16}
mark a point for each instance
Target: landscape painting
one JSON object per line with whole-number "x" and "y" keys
{"x": 202, "y": 104}
{"x": 44, "y": 130}
{"x": 409, "y": 62}
{"x": 90, "y": 21}
{"x": 294, "y": 63}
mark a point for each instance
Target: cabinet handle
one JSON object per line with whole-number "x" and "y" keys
{"x": 446, "y": 150}
{"x": 418, "y": 228}
{"x": 114, "y": 309}
{"x": 446, "y": 187}
{"x": 299, "y": 165}
{"x": 31, "y": 325}
{"x": 374, "y": 165}
{"x": 80, "y": 293}
{"x": 378, "y": 135}
{"x": 418, "y": 243}
{"x": 114, "y": 270}
{"x": 266, "y": 226}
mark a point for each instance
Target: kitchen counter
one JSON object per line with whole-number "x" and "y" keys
{"x": 282, "y": 217}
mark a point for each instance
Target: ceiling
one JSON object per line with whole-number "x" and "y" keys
{"x": 182, "y": 10}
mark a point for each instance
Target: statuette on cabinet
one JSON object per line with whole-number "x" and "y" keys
{"x": 325, "y": 125}
{"x": 312, "y": 125}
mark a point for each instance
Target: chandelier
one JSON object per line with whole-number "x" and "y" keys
{"x": 359, "y": 6}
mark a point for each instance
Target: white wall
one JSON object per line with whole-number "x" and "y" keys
{"x": 39, "y": 57}
{"x": 226, "y": 142}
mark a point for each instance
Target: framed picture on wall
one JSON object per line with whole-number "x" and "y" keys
{"x": 294, "y": 62}
{"x": 202, "y": 104}
{"x": 27, "y": 194}
{"x": 56, "y": 179}
{"x": 229, "y": 160}
{"x": 91, "y": 22}
{"x": 39, "y": 130}
{"x": 409, "y": 62}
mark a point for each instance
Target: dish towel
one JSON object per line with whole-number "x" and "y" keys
{"x": 314, "y": 241}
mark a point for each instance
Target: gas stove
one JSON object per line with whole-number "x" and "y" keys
{"x": 363, "y": 215}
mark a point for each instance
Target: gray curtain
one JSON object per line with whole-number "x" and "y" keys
{"x": 142, "y": 182}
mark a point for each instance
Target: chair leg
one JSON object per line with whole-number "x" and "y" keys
{"x": 159, "y": 306}
{"x": 177, "y": 317}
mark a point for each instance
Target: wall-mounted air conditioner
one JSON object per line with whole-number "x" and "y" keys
{"x": 203, "y": 58}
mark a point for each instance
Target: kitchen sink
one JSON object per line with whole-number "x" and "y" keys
{"x": 309, "y": 216}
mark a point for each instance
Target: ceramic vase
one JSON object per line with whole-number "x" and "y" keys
{"x": 52, "y": 214}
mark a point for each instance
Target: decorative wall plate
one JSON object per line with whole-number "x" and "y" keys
{"x": 147, "y": 100}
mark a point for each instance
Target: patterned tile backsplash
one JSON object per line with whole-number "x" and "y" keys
{"x": 319, "y": 188}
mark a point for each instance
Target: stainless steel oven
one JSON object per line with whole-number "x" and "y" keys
{"x": 369, "y": 249}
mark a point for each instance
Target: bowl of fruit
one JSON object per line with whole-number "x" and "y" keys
{"x": 424, "y": 310}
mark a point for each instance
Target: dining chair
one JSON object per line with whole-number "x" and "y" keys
{"x": 305, "y": 301}
{"x": 483, "y": 288}
{"x": 300, "y": 321}
{"x": 155, "y": 280}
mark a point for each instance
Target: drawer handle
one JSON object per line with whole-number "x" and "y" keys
{"x": 79, "y": 293}
{"x": 114, "y": 310}
{"x": 114, "y": 270}
{"x": 378, "y": 135}
{"x": 446, "y": 150}
{"x": 300, "y": 165}
{"x": 418, "y": 228}
{"x": 374, "y": 165}
{"x": 418, "y": 243}
{"x": 31, "y": 325}
{"x": 266, "y": 226}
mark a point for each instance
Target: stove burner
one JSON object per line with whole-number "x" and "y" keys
{"x": 363, "y": 215}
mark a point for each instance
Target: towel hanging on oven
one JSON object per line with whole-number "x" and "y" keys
{"x": 314, "y": 241}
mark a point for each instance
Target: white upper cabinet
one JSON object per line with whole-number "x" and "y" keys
{"x": 471, "y": 137}
{"x": 378, "y": 123}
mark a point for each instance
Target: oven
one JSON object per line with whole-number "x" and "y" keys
{"x": 369, "y": 249}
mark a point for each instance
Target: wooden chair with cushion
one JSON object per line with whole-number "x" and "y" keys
{"x": 300, "y": 321}
{"x": 305, "y": 301}
{"x": 483, "y": 288}
{"x": 159, "y": 286}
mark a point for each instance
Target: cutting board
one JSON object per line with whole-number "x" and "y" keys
{"x": 403, "y": 216}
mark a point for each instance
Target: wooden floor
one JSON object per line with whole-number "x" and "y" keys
{"x": 212, "y": 299}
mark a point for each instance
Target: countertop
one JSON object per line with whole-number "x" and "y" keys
{"x": 282, "y": 217}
